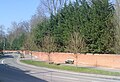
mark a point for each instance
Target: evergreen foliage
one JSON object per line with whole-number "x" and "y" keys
{"x": 18, "y": 42}
{"x": 92, "y": 20}
{"x": 82, "y": 26}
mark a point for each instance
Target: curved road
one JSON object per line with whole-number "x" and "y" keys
{"x": 12, "y": 70}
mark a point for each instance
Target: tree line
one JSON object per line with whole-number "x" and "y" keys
{"x": 80, "y": 26}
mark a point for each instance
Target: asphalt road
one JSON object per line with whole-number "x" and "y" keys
{"x": 13, "y": 71}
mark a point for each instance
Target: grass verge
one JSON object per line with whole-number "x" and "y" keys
{"x": 71, "y": 68}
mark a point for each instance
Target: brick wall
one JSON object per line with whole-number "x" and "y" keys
{"x": 104, "y": 60}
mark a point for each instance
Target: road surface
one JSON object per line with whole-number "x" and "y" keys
{"x": 13, "y": 71}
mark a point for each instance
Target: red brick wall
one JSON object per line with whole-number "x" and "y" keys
{"x": 104, "y": 60}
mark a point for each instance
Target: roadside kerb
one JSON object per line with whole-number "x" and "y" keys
{"x": 68, "y": 72}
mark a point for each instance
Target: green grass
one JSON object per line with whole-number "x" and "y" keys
{"x": 71, "y": 68}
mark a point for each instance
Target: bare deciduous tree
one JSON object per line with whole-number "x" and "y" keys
{"x": 29, "y": 44}
{"x": 25, "y": 26}
{"x": 2, "y": 37}
{"x": 76, "y": 45}
{"x": 37, "y": 18}
{"x": 49, "y": 45}
{"x": 52, "y": 6}
{"x": 1, "y": 32}
{"x": 16, "y": 30}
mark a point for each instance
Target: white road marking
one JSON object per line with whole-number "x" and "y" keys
{"x": 3, "y": 61}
